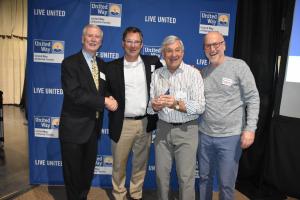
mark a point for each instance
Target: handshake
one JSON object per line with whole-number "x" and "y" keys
{"x": 110, "y": 103}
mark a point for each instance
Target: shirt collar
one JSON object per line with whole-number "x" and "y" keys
{"x": 87, "y": 55}
{"x": 133, "y": 64}
{"x": 166, "y": 73}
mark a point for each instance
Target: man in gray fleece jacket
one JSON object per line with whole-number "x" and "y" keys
{"x": 229, "y": 122}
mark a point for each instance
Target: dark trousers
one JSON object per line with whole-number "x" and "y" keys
{"x": 78, "y": 167}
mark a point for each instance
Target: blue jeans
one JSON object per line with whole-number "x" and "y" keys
{"x": 220, "y": 155}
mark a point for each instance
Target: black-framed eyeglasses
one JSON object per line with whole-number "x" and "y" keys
{"x": 216, "y": 45}
{"x": 133, "y": 42}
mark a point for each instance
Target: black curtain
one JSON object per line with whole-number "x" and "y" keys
{"x": 262, "y": 34}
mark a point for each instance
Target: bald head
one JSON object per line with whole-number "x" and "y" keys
{"x": 214, "y": 48}
{"x": 215, "y": 34}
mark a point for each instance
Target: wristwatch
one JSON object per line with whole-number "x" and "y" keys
{"x": 177, "y": 106}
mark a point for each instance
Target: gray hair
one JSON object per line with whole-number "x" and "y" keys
{"x": 92, "y": 26}
{"x": 170, "y": 40}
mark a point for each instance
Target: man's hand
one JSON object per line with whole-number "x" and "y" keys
{"x": 247, "y": 139}
{"x": 168, "y": 101}
{"x": 157, "y": 104}
{"x": 110, "y": 103}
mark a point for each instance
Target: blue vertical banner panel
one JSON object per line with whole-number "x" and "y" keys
{"x": 54, "y": 32}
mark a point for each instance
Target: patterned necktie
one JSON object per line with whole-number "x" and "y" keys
{"x": 95, "y": 72}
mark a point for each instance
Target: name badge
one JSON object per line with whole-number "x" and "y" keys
{"x": 102, "y": 76}
{"x": 227, "y": 81}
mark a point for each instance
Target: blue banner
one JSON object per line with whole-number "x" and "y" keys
{"x": 54, "y": 32}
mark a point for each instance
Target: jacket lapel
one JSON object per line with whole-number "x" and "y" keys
{"x": 120, "y": 74}
{"x": 87, "y": 72}
{"x": 148, "y": 72}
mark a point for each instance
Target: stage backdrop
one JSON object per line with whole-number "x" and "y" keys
{"x": 54, "y": 32}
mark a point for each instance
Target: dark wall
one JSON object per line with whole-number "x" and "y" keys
{"x": 270, "y": 168}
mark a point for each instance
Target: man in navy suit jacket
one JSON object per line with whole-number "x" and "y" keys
{"x": 82, "y": 113}
{"x": 129, "y": 79}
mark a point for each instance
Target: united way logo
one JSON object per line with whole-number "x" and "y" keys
{"x": 46, "y": 126}
{"x": 108, "y": 161}
{"x": 114, "y": 10}
{"x": 55, "y": 122}
{"x": 48, "y": 51}
{"x": 105, "y": 14}
{"x": 151, "y": 50}
{"x": 58, "y": 47}
{"x": 213, "y": 21}
{"x": 103, "y": 165}
{"x": 223, "y": 20}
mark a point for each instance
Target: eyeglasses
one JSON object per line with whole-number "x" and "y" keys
{"x": 135, "y": 42}
{"x": 216, "y": 45}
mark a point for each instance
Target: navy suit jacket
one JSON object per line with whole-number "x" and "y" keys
{"x": 81, "y": 99}
{"x": 116, "y": 88}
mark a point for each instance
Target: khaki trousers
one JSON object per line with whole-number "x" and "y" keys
{"x": 133, "y": 138}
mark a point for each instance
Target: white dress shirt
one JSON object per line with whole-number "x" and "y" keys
{"x": 136, "y": 97}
